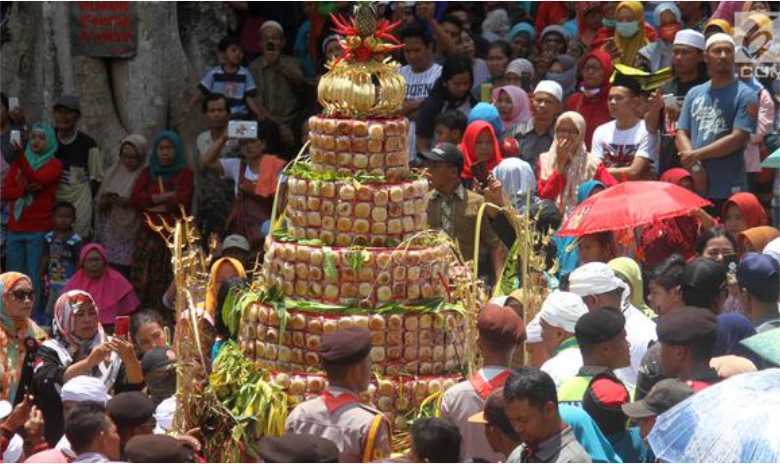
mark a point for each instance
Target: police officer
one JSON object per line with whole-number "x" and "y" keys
{"x": 360, "y": 432}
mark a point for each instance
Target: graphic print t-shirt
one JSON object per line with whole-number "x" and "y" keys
{"x": 617, "y": 148}
{"x": 418, "y": 87}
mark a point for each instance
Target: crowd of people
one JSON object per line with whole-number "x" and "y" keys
{"x": 532, "y": 107}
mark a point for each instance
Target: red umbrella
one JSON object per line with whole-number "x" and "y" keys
{"x": 629, "y": 205}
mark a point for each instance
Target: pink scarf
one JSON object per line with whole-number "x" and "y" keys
{"x": 521, "y": 105}
{"x": 112, "y": 293}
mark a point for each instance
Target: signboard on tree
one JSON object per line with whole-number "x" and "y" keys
{"x": 104, "y": 29}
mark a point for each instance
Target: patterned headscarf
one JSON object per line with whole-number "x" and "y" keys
{"x": 12, "y": 336}
{"x": 65, "y": 310}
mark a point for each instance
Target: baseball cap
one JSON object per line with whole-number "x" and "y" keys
{"x": 447, "y": 152}
{"x": 157, "y": 358}
{"x": 235, "y": 241}
{"x": 70, "y": 102}
{"x": 493, "y": 412}
{"x": 759, "y": 274}
{"x": 662, "y": 397}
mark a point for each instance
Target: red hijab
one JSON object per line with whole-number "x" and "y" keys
{"x": 676, "y": 175}
{"x": 468, "y": 148}
{"x": 593, "y": 108}
{"x": 107, "y": 290}
{"x": 749, "y": 207}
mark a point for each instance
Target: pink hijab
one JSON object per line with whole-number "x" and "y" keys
{"x": 112, "y": 293}
{"x": 521, "y": 104}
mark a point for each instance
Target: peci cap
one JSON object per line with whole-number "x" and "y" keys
{"x": 270, "y": 24}
{"x": 297, "y": 447}
{"x": 691, "y": 38}
{"x": 447, "y": 152}
{"x": 551, "y": 87}
{"x": 345, "y": 347}
{"x": 500, "y": 324}
{"x": 67, "y": 101}
{"x": 686, "y": 326}
{"x": 599, "y": 326}
{"x": 130, "y": 409}
{"x": 662, "y": 397}
{"x": 759, "y": 274}
{"x": 719, "y": 38}
{"x": 157, "y": 448}
{"x": 235, "y": 241}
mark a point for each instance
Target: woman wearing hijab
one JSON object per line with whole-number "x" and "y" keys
{"x": 658, "y": 54}
{"x": 80, "y": 346}
{"x": 221, "y": 270}
{"x": 17, "y": 299}
{"x": 755, "y": 239}
{"x": 629, "y": 272}
{"x": 481, "y": 151}
{"x": 116, "y": 221}
{"x": 514, "y": 107}
{"x": 111, "y": 291}
{"x": 521, "y": 73}
{"x": 227, "y": 295}
{"x": 517, "y": 179}
{"x": 159, "y": 193}
{"x": 591, "y": 98}
{"x": 630, "y": 34}
{"x": 589, "y": 16}
{"x": 563, "y": 70}
{"x": 568, "y": 164}
{"x": 743, "y": 211}
{"x": 522, "y": 37}
{"x": 680, "y": 177}
{"x": 488, "y": 113}
{"x": 29, "y": 188}
{"x": 568, "y": 251}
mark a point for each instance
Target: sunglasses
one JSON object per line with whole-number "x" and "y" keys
{"x": 21, "y": 295}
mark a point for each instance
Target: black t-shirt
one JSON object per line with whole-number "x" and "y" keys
{"x": 76, "y": 153}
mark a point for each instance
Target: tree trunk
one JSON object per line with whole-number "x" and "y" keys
{"x": 144, "y": 94}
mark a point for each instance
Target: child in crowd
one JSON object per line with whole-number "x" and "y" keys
{"x": 232, "y": 80}
{"x": 435, "y": 439}
{"x": 449, "y": 127}
{"x": 61, "y": 248}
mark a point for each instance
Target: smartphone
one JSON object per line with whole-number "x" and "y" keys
{"x": 16, "y": 138}
{"x": 480, "y": 172}
{"x": 13, "y": 103}
{"x": 242, "y": 129}
{"x": 122, "y": 326}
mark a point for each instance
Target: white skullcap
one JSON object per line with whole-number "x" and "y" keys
{"x": 555, "y": 28}
{"x": 500, "y": 300}
{"x": 164, "y": 415}
{"x": 533, "y": 331}
{"x": 5, "y": 409}
{"x": 691, "y": 38}
{"x": 594, "y": 279}
{"x": 719, "y": 37}
{"x": 85, "y": 388}
{"x": 562, "y": 310}
{"x": 551, "y": 87}
{"x": 519, "y": 66}
{"x": 270, "y": 23}
{"x": 773, "y": 249}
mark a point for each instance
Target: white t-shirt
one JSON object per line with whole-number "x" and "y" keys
{"x": 204, "y": 141}
{"x": 564, "y": 365}
{"x": 418, "y": 87}
{"x": 640, "y": 331}
{"x": 231, "y": 167}
{"x": 618, "y": 147}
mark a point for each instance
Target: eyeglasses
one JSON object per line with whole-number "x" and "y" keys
{"x": 21, "y": 295}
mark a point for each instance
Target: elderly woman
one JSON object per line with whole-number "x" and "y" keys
{"x": 17, "y": 298}
{"x": 159, "y": 194}
{"x": 80, "y": 346}
{"x": 568, "y": 164}
{"x": 112, "y": 292}
{"x": 117, "y": 222}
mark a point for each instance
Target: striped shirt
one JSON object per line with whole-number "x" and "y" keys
{"x": 235, "y": 86}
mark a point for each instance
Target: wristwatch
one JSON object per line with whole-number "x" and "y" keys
{"x": 697, "y": 167}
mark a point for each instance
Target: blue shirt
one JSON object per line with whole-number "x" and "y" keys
{"x": 709, "y": 114}
{"x": 629, "y": 445}
{"x": 588, "y": 434}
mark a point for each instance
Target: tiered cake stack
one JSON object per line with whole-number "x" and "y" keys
{"x": 352, "y": 251}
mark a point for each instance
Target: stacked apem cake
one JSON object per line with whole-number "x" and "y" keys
{"x": 352, "y": 251}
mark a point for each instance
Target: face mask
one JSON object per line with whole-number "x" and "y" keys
{"x": 626, "y": 28}
{"x": 608, "y": 23}
{"x": 668, "y": 31}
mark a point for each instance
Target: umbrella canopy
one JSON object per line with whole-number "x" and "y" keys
{"x": 772, "y": 161}
{"x": 736, "y": 420}
{"x": 766, "y": 345}
{"x": 629, "y": 205}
